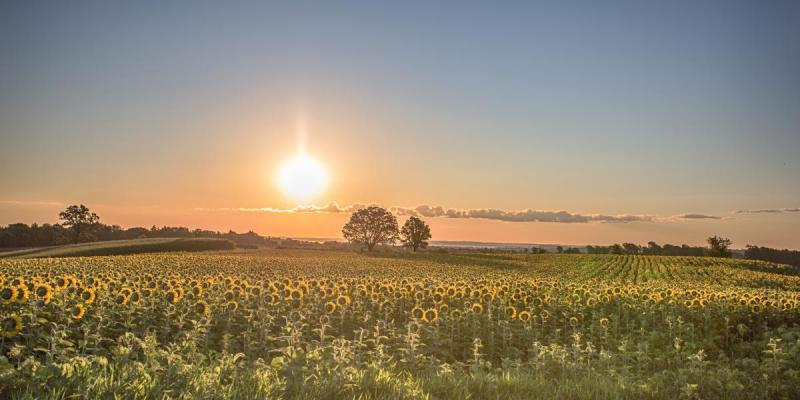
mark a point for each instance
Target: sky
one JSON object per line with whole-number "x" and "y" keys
{"x": 545, "y": 122}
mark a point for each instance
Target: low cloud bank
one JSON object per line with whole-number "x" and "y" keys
{"x": 769, "y": 211}
{"x": 698, "y": 216}
{"x": 528, "y": 215}
{"x": 517, "y": 216}
{"x": 439, "y": 211}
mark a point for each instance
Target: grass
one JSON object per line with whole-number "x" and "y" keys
{"x": 126, "y": 247}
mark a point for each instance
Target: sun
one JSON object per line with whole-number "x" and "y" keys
{"x": 302, "y": 177}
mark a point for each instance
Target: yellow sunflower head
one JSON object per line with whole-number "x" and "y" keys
{"x": 330, "y": 307}
{"x": 11, "y": 325}
{"x": 77, "y": 311}
{"x": 431, "y": 315}
{"x": 201, "y": 307}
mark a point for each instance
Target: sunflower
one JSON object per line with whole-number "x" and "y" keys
{"x": 417, "y": 313}
{"x": 126, "y": 292}
{"x": 77, "y": 311}
{"x": 8, "y": 293}
{"x": 477, "y": 308}
{"x": 201, "y": 307}
{"x": 456, "y": 314}
{"x": 11, "y": 325}
{"x": 135, "y": 298}
{"x": 343, "y": 300}
{"x": 121, "y": 299}
{"x": 232, "y": 305}
{"x": 62, "y": 282}
{"x": 524, "y": 316}
{"x": 431, "y": 315}
{"x": 330, "y": 307}
{"x": 173, "y": 296}
{"x": 511, "y": 312}
{"x": 22, "y": 293}
{"x": 573, "y": 321}
{"x": 386, "y": 306}
{"x": 88, "y": 296}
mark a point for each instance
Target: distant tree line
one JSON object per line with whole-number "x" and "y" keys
{"x": 651, "y": 249}
{"x": 717, "y": 247}
{"x": 80, "y": 225}
{"x": 36, "y": 235}
{"x": 785, "y": 256}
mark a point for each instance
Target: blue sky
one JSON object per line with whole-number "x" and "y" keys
{"x": 626, "y": 107}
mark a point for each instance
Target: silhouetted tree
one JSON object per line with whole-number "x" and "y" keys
{"x": 415, "y": 234}
{"x": 653, "y": 249}
{"x": 631, "y": 248}
{"x": 79, "y": 219}
{"x": 616, "y": 249}
{"x": 370, "y": 226}
{"x": 718, "y": 246}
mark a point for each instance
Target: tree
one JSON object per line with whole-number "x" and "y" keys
{"x": 718, "y": 247}
{"x": 653, "y": 249}
{"x": 616, "y": 249}
{"x": 631, "y": 248}
{"x": 415, "y": 234}
{"x": 370, "y": 226}
{"x": 79, "y": 219}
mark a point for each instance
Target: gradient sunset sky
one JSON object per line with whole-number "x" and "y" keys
{"x": 667, "y": 121}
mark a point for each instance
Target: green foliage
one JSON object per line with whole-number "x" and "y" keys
{"x": 371, "y": 226}
{"x": 80, "y": 219}
{"x": 415, "y": 234}
{"x": 718, "y": 247}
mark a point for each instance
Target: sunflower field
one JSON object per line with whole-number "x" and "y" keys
{"x": 314, "y": 324}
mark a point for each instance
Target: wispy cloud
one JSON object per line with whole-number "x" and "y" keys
{"x": 330, "y": 208}
{"x": 768, "y": 211}
{"x": 697, "y": 216}
{"x": 517, "y": 216}
{"x": 528, "y": 215}
{"x": 31, "y": 203}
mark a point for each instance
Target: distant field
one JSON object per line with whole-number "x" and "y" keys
{"x": 341, "y": 325}
{"x": 123, "y": 247}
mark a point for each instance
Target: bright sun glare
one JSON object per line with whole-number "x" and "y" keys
{"x": 302, "y": 177}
